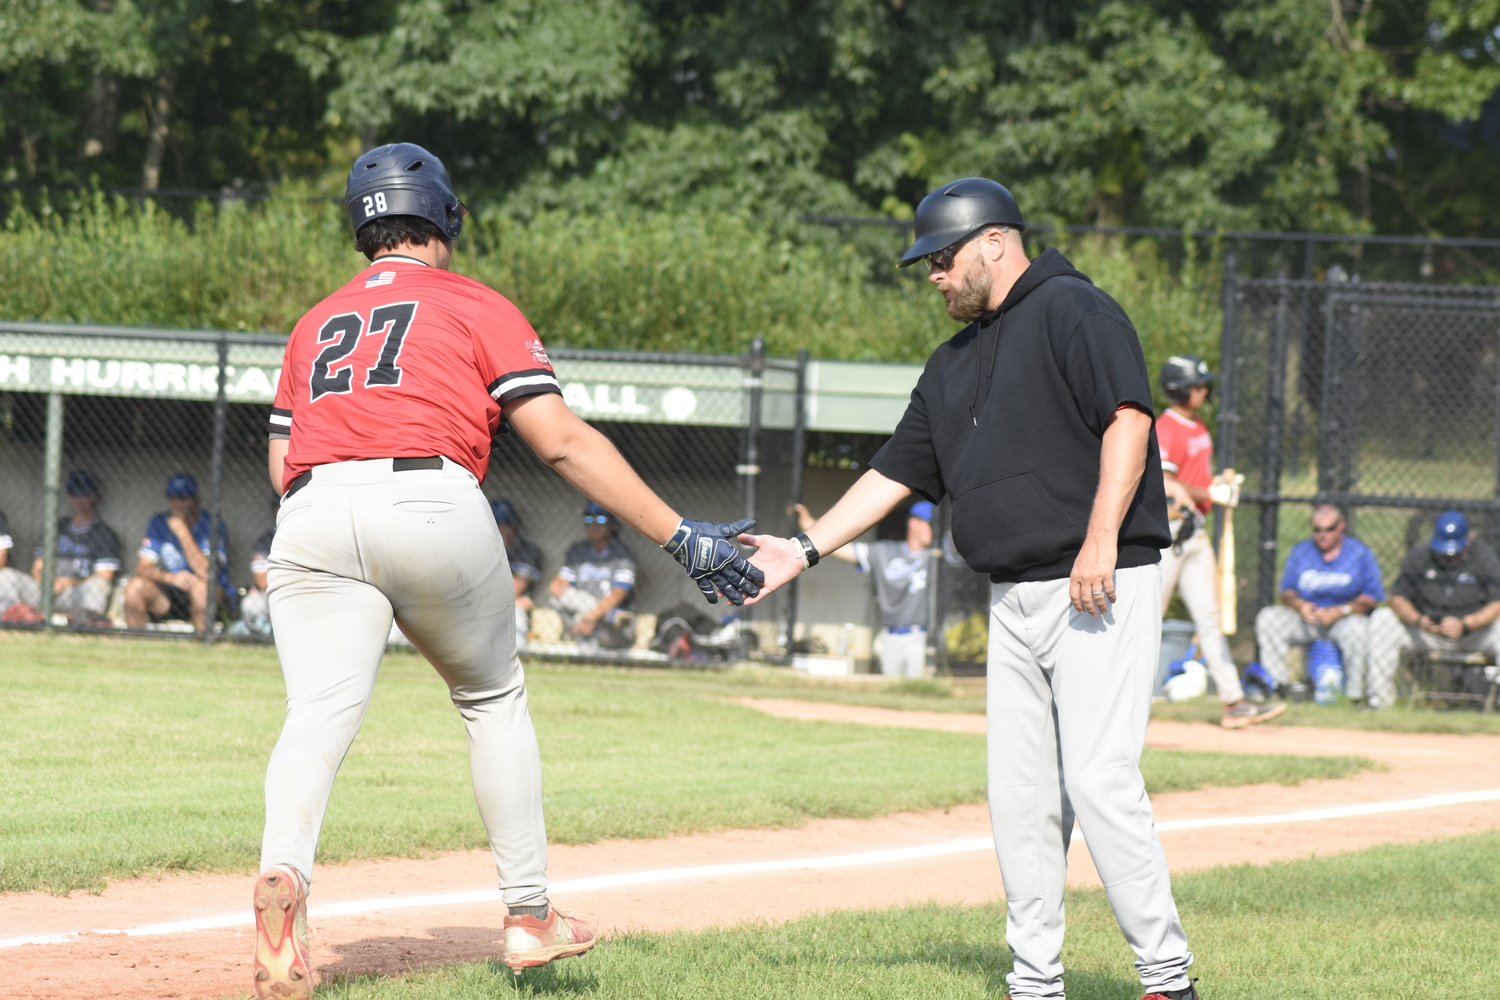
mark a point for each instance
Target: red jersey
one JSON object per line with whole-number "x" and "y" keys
{"x": 1187, "y": 450}
{"x": 405, "y": 361}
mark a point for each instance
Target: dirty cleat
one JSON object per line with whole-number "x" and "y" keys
{"x": 531, "y": 943}
{"x": 283, "y": 961}
{"x": 1247, "y": 713}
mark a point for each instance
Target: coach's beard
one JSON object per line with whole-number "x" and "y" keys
{"x": 970, "y": 300}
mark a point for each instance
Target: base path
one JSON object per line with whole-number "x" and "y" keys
{"x": 766, "y": 874}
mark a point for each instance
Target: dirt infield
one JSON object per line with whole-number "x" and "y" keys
{"x": 83, "y": 964}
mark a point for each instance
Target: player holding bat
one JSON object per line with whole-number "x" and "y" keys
{"x": 1187, "y": 457}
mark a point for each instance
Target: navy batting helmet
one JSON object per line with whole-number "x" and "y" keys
{"x": 403, "y": 179}
{"x": 1181, "y": 373}
{"x": 959, "y": 209}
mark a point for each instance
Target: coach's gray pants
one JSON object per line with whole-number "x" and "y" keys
{"x": 353, "y": 546}
{"x": 1279, "y": 628}
{"x": 1068, "y": 699}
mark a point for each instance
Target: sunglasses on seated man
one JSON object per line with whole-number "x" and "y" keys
{"x": 596, "y": 519}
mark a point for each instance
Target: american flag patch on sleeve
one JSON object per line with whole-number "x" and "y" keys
{"x": 383, "y": 278}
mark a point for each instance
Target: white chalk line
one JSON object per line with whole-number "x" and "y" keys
{"x": 940, "y": 849}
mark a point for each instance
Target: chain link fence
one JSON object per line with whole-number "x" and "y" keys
{"x": 106, "y": 432}
{"x": 1380, "y": 397}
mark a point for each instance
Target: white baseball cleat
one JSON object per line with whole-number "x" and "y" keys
{"x": 283, "y": 961}
{"x": 531, "y": 943}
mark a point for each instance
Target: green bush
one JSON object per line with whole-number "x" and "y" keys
{"x": 706, "y": 283}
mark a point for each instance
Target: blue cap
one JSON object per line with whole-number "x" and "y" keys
{"x": 81, "y": 483}
{"x": 594, "y": 510}
{"x": 181, "y": 486}
{"x": 921, "y": 509}
{"x": 1451, "y": 533}
{"x": 505, "y": 512}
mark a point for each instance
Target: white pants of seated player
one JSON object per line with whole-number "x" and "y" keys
{"x": 1068, "y": 698}
{"x": 1390, "y": 637}
{"x": 90, "y": 595}
{"x": 1195, "y": 575}
{"x": 18, "y": 588}
{"x": 903, "y": 654}
{"x": 1278, "y": 629}
{"x": 354, "y": 546}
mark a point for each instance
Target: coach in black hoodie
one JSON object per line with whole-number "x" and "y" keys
{"x": 1036, "y": 420}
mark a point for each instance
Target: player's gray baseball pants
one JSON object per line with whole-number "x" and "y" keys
{"x": 356, "y": 544}
{"x": 1195, "y": 574}
{"x": 1279, "y": 628}
{"x": 1068, "y": 699}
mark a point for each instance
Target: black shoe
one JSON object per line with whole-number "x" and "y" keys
{"x": 1191, "y": 993}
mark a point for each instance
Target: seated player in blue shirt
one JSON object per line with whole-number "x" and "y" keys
{"x": 1329, "y": 585}
{"x": 171, "y": 568}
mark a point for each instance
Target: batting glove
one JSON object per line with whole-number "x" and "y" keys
{"x": 1225, "y": 490}
{"x": 706, "y": 550}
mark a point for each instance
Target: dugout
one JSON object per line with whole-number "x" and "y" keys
{"x": 718, "y": 437}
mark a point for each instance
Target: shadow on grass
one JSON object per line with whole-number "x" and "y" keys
{"x": 994, "y": 964}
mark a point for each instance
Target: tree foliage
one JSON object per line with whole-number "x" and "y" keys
{"x": 1325, "y": 114}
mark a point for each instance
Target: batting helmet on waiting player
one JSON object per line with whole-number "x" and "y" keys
{"x": 403, "y": 179}
{"x": 1181, "y": 373}
{"x": 958, "y": 209}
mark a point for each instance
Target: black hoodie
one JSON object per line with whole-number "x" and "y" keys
{"x": 1008, "y": 417}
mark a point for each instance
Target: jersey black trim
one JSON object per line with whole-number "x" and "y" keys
{"x": 280, "y": 423}
{"x": 528, "y": 382}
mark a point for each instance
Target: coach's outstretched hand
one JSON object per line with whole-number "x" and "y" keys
{"x": 707, "y": 551}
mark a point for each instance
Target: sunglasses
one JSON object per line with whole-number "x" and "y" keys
{"x": 596, "y": 519}
{"x": 943, "y": 259}
{"x": 1327, "y": 531}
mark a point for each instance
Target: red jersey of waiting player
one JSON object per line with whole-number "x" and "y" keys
{"x": 405, "y": 361}
{"x": 1187, "y": 451}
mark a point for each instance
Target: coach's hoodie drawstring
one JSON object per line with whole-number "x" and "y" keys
{"x": 985, "y": 372}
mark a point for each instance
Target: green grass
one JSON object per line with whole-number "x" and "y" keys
{"x": 123, "y": 757}
{"x": 1400, "y": 719}
{"x": 1414, "y": 922}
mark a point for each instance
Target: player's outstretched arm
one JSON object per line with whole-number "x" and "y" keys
{"x": 587, "y": 459}
{"x": 868, "y": 500}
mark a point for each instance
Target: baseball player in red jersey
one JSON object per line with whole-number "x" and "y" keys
{"x": 1187, "y": 457}
{"x": 390, "y": 392}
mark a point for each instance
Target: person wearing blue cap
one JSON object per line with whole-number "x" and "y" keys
{"x": 171, "y": 568}
{"x": 1446, "y": 597}
{"x": 595, "y": 589}
{"x": 525, "y": 564}
{"x": 901, "y": 571}
{"x": 88, "y": 556}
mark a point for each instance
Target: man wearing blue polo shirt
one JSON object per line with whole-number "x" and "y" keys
{"x": 1328, "y": 587}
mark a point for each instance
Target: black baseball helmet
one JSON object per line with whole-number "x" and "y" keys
{"x": 957, "y": 209}
{"x": 1181, "y": 373}
{"x": 403, "y": 179}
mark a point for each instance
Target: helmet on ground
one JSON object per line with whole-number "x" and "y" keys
{"x": 403, "y": 179}
{"x": 959, "y": 209}
{"x": 1181, "y": 373}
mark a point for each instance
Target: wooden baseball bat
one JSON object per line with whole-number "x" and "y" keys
{"x": 1229, "y": 591}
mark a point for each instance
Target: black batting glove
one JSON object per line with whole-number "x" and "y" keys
{"x": 707, "y": 551}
